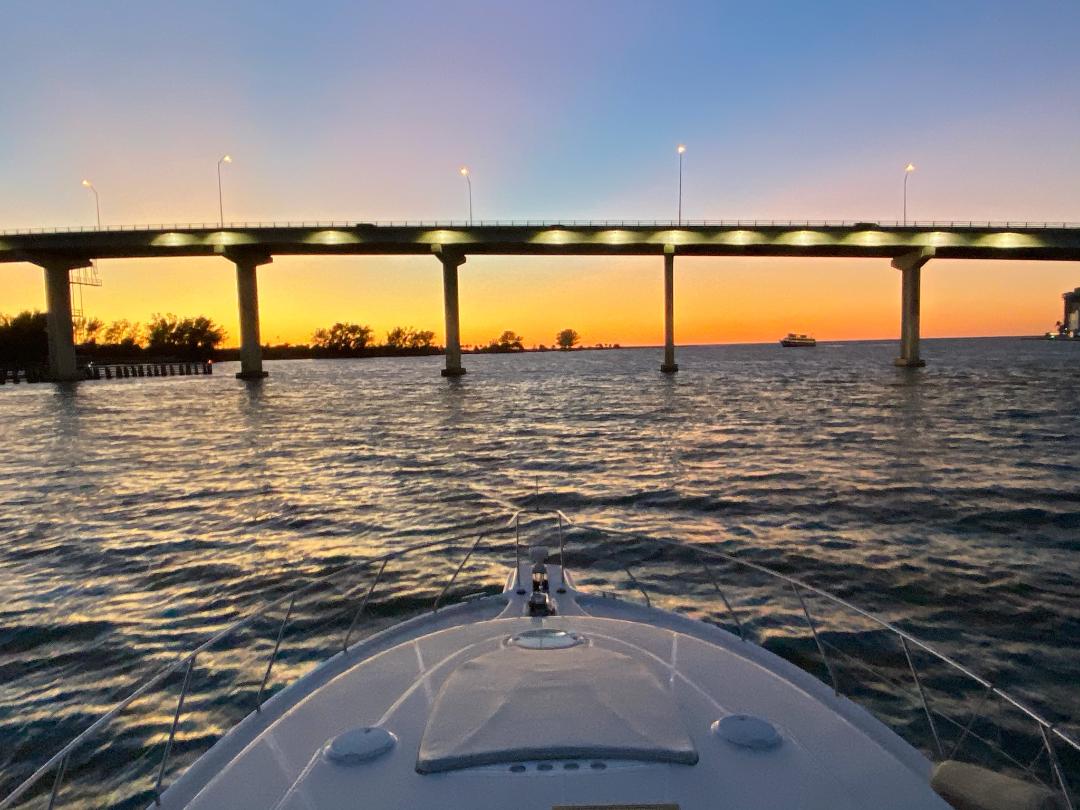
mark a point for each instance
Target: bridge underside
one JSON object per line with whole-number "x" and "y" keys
{"x": 909, "y": 249}
{"x": 1061, "y": 244}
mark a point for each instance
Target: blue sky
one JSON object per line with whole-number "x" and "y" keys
{"x": 561, "y": 109}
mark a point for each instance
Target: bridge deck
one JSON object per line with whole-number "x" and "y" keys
{"x": 1054, "y": 241}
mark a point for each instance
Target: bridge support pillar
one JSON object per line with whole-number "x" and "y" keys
{"x": 669, "y": 366}
{"x": 62, "y": 367}
{"x": 910, "y": 265}
{"x": 450, "y": 264}
{"x": 247, "y": 290}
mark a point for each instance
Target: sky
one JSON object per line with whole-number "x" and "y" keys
{"x": 562, "y": 110}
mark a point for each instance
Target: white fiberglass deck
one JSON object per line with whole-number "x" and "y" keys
{"x": 622, "y": 717}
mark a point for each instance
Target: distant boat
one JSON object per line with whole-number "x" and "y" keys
{"x": 797, "y": 340}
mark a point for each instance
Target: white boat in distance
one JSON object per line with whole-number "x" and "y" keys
{"x": 546, "y": 693}
{"x": 794, "y": 340}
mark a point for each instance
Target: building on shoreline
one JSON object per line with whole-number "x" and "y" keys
{"x": 1070, "y": 322}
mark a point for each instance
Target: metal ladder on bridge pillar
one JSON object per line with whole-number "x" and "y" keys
{"x": 82, "y": 277}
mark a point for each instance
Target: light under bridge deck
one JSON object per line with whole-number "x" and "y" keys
{"x": 965, "y": 240}
{"x": 909, "y": 246}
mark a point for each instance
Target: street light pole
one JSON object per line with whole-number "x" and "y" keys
{"x": 907, "y": 170}
{"x": 97, "y": 201}
{"x": 468, "y": 182}
{"x": 681, "y": 149}
{"x": 221, "y": 204}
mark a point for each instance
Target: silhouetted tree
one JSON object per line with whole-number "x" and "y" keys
{"x": 87, "y": 330}
{"x": 123, "y": 333}
{"x": 398, "y": 337}
{"x": 567, "y": 339}
{"x": 342, "y": 337}
{"x": 506, "y": 342}
{"x": 194, "y": 338}
{"x": 23, "y": 338}
{"x": 405, "y": 337}
{"x": 422, "y": 339}
{"x": 510, "y": 342}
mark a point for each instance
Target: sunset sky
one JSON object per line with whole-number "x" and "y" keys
{"x": 568, "y": 110}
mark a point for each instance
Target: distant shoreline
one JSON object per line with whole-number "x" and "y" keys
{"x": 309, "y": 353}
{"x": 306, "y": 353}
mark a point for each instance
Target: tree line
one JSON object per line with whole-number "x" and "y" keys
{"x": 354, "y": 339}
{"x": 24, "y": 338}
{"x": 509, "y": 341}
{"x": 24, "y": 341}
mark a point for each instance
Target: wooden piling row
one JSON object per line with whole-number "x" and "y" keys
{"x": 119, "y": 371}
{"x": 16, "y": 375}
{"x": 127, "y": 370}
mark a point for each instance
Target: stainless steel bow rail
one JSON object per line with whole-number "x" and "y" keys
{"x": 583, "y": 536}
{"x": 685, "y": 224}
{"x": 59, "y": 762}
{"x": 1046, "y": 731}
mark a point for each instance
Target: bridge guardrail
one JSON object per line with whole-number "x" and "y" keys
{"x": 553, "y": 223}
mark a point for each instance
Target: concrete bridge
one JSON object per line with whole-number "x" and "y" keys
{"x": 248, "y": 245}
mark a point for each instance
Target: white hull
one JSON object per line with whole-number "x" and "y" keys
{"x": 832, "y": 754}
{"x": 546, "y": 696}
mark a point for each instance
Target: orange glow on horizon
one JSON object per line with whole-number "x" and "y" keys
{"x": 606, "y": 299}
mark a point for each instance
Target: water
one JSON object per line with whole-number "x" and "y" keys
{"x": 139, "y": 516}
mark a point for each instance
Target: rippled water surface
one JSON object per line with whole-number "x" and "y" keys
{"x": 139, "y": 516}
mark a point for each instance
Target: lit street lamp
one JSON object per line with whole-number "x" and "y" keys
{"x": 907, "y": 170}
{"x": 221, "y": 205}
{"x": 97, "y": 201}
{"x": 464, "y": 170}
{"x": 681, "y": 149}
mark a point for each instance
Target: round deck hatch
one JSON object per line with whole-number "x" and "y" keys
{"x": 747, "y": 731}
{"x": 359, "y": 745}
{"x": 547, "y": 638}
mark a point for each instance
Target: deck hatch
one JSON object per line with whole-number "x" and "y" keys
{"x": 547, "y": 638}
{"x": 582, "y": 702}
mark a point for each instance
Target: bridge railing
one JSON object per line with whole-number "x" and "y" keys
{"x": 554, "y": 223}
